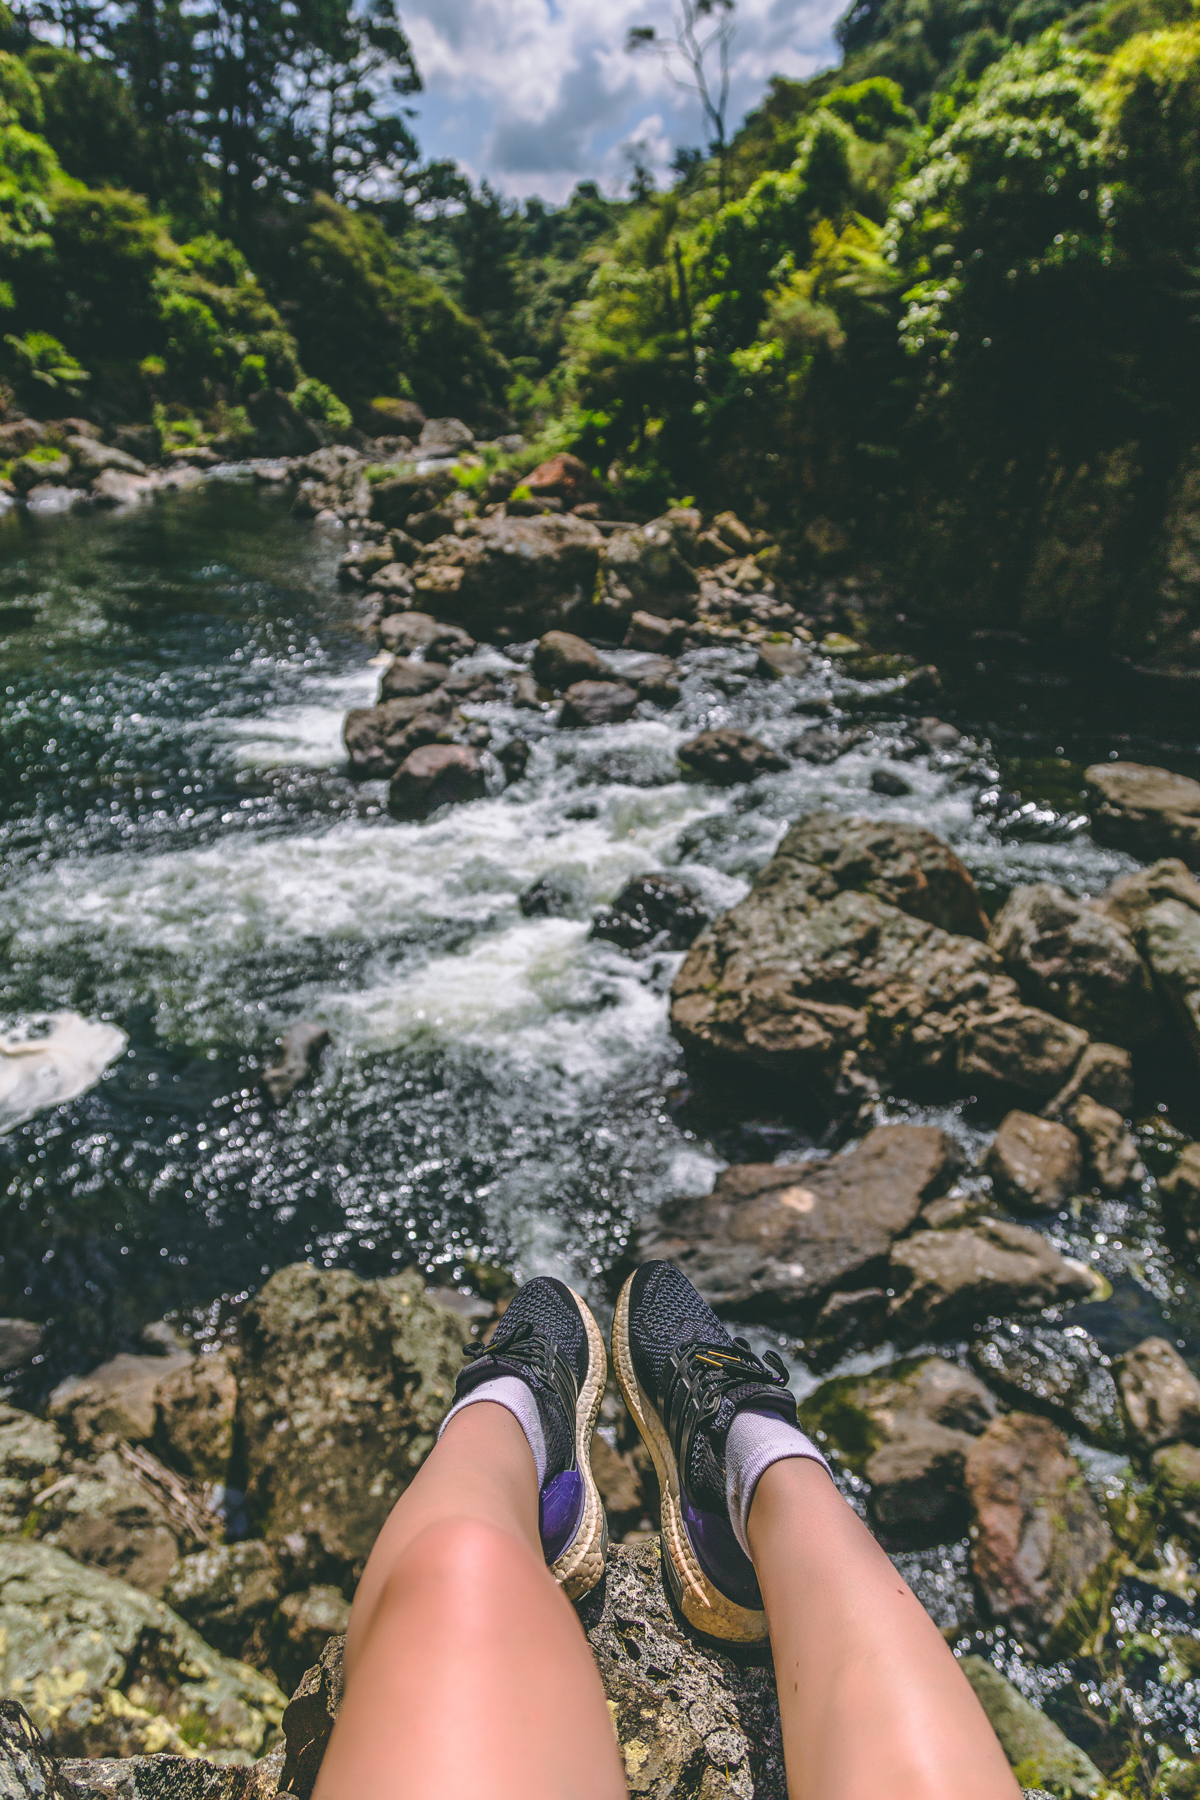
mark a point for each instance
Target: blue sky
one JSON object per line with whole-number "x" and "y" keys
{"x": 540, "y": 94}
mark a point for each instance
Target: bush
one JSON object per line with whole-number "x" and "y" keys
{"x": 316, "y": 401}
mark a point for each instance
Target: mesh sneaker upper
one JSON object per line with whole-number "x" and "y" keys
{"x": 548, "y": 1307}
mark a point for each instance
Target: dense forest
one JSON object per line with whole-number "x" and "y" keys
{"x": 932, "y": 314}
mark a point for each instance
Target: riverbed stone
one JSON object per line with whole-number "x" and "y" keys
{"x": 726, "y": 756}
{"x": 1063, "y": 1373}
{"x": 91, "y": 458}
{"x": 946, "y": 1280}
{"x": 1037, "y": 1750}
{"x": 378, "y": 738}
{"x": 597, "y": 703}
{"x": 301, "y": 1046}
{"x": 1034, "y": 1164}
{"x": 116, "y": 487}
{"x": 1076, "y": 961}
{"x": 227, "y": 1592}
{"x": 1019, "y": 1048}
{"x": 307, "y": 1621}
{"x": 779, "y": 658}
{"x": 106, "y": 1670}
{"x": 117, "y": 1400}
{"x": 1110, "y": 1152}
{"x": 560, "y": 659}
{"x": 32, "y": 1455}
{"x": 772, "y": 1240}
{"x": 436, "y": 775}
{"x": 404, "y": 678}
{"x": 1161, "y": 1395}
{"x": 1181, "y": 1194}
{"x": 1105, "y": 1072}
{"x": 1147, "y": 810}
{"x": 341, "y": 1390}
{"x": 20, "y": 1341}
{"x": 1161, "y": 908}
{"x": 1176, "y": 1473}
{"x": 102, "y": 1515}
{"x": 413, "y": 633}
{"x": 643, "y": 570}
{"x": 513, "y": 577}
{"x": 1039, "y": 1542}
{"x": 646, "y": 631}
{"x": 652, "y": 912}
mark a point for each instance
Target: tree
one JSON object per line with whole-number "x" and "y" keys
{"x": 703, "y": 29}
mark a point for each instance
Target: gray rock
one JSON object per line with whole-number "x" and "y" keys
{"x": 405, "y": 678}
{"x": 642, "y": 570}
{"x": 1147, "y": 810}
{"x": 28, "y": 1768}
{"x": 117, "y": 1400}
{"x": 307, "y": 1621}
{"x": 1039, "y": 1543}
{"x": 28, "y": 472}
{"x": 1034, "y": 1164}
{"x": 945, "y": 1280}
{"x": 1111, "y": 1157}
{"x": 378, "y": 738}
{"x": 727, "y": 756}
{"x": 785, "y": 657}
{"x": 309, "y": 1719}
{"x": 196, "y": 1411}
{"x": 1181, "y": 1193}
{"x": 444, "y": 437}
{"x": 1105, "y": 1073}
{"x": 20, "y": 1340}
{"x": 436, "y": 775}
{"x": 360, "y": 564}
{"x": 391, "y": 589}
{"x": 651, "y": 912}
{"x": 412, "y": 633}
{"x": 106, "y": 1670}
{"x": 1031, "y": 1742}
{"x": 32, "y": 1455}
{"x": 104, "y": 1516}
{"x": 116, "y": 487}
{"x": 1076, "y": 961}
{"x": 889, "y": 781}
{"x": 516, "y": 576}
{"x": 342, "y": 1388}
{"x": 655, "y": 678}
{"x": 589, "y": 703}
{"x": 646, "y": 631}
{"x": 49, "y": 497}
{"x": 19, "y": 436}
{"x": 1176, "y": 1473}
{"x": 1160, "y": 1394}
{"x": 303, "y": 1045}
{"x": 228, "y": 1592}
{"x": 142, "y": 442}
{"x": 1019, "y": 1049}
{"x": 1062, "y": 1373}
{"x": 161, "y": 1778}
{"x": 560, "y": 659}
{"x": 772, "y": 1240}
{"x": 92, "y": 458}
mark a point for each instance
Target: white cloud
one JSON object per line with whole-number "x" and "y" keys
{"x": 539, "y": 94}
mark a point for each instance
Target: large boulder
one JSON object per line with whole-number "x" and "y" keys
{"x": 513, "y": 577}
{"x": 945, "y": 1280}
{"x": 1034, "y": 1163}
{"x": 342, "y": 1386}
{"x": 436, "y": 775}
{"x": 1031, "y": 1742}
{"x": 32, "y": 1454}
{"x": 117, "y": 1400}
{"x": 1161, "y": 908}
{"x": 1161, "y": 1395}
{"x": 644, "y": 570}
{"x": 378, "y": 738}
{"x": 105, "y": 1670}
{"x": 726, "y": 756}
{"x": 1039, "y": 1542}
{"x": 1076, "y": 961}
{"x": 1150, "y": 811}
{"x": 560, "y": 658}
{"x": 103, "y": 1514}
{"x": 772, "y": 1240}
{"x": 1064, "y": 1374}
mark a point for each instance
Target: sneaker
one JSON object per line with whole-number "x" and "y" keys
{"x": 550, "y": 1341}
{"x": 684, "y": 1378}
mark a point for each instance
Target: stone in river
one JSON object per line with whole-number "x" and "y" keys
{"x": 20, "y": 1341}
{"x": 647, "y": 631}
{"x": 1105, "y": 1073}
{"x": 197, "y": 1407}
{"x": 1161, "y": 907}
{"x": 655, "y": 678}
{"x": 772, "y": 1240}
{"x": 726, "y": 756}
{"x": 303, "y": 1046}
{"x": 946, "y": 1280}
{"x": 115, "y": 487}
{"x": 1034, "y": 1164}
{"x": 560, "y": 659}
{"x": 404, "y": 678}
{"x": 1176, "y": 1473}
{"x": 1111, "y": 1157}
{"x": 597, "y": 703}
{"x": 1019, "y": 1049}
{"x": 1039, "y": 1541}
{"x": 436, "y": 775}
{"x": 887, "y": 781}
{"x": 514, "y": 575}
{"x": 779, "y": 659}
{"x": 378, "y": 738}
{"x": 1031, "y": 1742}
{"x": 1160, "y": 1394}
{"x": 1064, "y": 1374}
{"x": 1146, "y": 810}
{"x": 1077, "y": 961}
{"x": 1181, "y": 1191}
{"x": 656, "y": 911}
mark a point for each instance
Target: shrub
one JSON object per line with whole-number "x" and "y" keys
{"x": 316, "y": 401}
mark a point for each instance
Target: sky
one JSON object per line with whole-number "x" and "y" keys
{"x": 537, "y": 95}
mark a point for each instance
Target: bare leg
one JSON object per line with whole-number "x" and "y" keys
{"x": 467, "y": 1672}
{"x": 874, "y": 1705}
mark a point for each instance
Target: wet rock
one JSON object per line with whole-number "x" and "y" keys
{"x": 935, "y": 734}
{"x": 526, "y": 695}
{"x": 303, "y": 1045}
{"x": 1169, "y": 938}
{"x": 117, "y": 1400}
{"x": 444, "y": 437}
{"x": 949, "y": 1279}
{"x": 1176, "y": 1474}
{"x": 228, "y": 1593}
{"x": 846, "y": 1321}
{"x": 104, "y": 1516}
{"x": 342, "y": 1387}
{"x": 773, "y": 1239}
{"x": 1161, "y": 1396}
{"x": 727, "y": 755}
{"x": 1130, "y": 899}
{"x": 106, "y": 1670}
{"x": 560, "y": 659}
{"x": 652, "y": 912}
{"x": 410, "y": 633}
{"x": 114, "y": 487}
{"x": 378, "y": 738}
{"x": 655, "y": 678}
{"x": 547, "y": 898}
{"x": 513, "y": 758}
{"x": 513, "y": 575}
{"x": 646, "y": 631}
{"x": 32, "y": 1453}
{"x": 822, "y": 747}
{"x": 1147, "y": 810}
{"x": 360, "y": 564}
{"x": 309, "y": 1720}
{"x": 406, "y": 678}
{"x": 1105, "y": 1073}
{"x": 642, "y": 570}
{"x": 49, "y": 497}
{"x": 1019, "y": 1049}
{"x": 597, "y": 703}
{"x": 1181, "y": 1194}
{"x": 887, "y": 781}
{"x": 307, "y": 1622}
{"x": 29, "y": 471}
{"x": 1076, "y": 961}
{"x": 19, "y": 436}
{"x": 436, "y": 775}
{"x": 392, "y": 590}
{"x": 1062, "y": 1373}
{"x": 1035, "y": 1747}
{"x": 777, "y": 660}
{"x": 91, "y": 458}
{"x": 196, "y": 1411}
{"x": 564, "y": 478}
{"x": 20, "y": 1340}
{"x": 1111, "y": 1156}
{"x": 1034, "y": 1164}
{"x": 1039, "y": 1542}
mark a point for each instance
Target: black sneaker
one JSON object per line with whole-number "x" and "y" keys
{"x": 684, "y": 1378}
{"x": 549, "y": 1339}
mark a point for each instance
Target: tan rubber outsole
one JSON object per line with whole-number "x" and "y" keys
{"x": 704, "y": 1606}
{"x": 581, "y": 1564}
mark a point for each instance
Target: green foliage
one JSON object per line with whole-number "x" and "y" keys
{"x": 316, "y": 401}
{"x": 38, "y": 357}
{"x": 20, "y": 96}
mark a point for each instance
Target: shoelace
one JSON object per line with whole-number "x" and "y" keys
{"x": 528, "y": 1348}
{"x": 702, "y": 1376}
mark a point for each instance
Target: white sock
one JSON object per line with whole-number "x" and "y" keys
{"x": 755, "y": 1441}
{"x": 516, "y": 1397}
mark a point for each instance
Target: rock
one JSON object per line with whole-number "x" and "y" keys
{"x": 1176, "y": 1473}
{"x": 436, "y": 775}
{"x": 29, "y": 471}
{"x": 824, "y": 747}
{"x": 103, "y": 1515}
{"x": 624, "y": 1486}
{"x": 49, "y": 497}
{"x": 303, "y": 1046}
{"x": 1077, "y": 962}
{"x": 1103, "y": 1072}
{"x": 27, "y": 1766}
{"x": 726, "y": 756}
{"x": 907, "y": 1430}
{"x": 1169, "y": 938}
{"x": 108, "y": 1671}
{"x": 887, "y": 781}
{"x": 31, "y": 1456}
{"x": 142, "y": 442}
{"x": 378, "y": 738}
{"x": 117, "y": 1400}
{"x": 772, "y": 1239}
{"x": 547, "y": 898}
{"x": 388, "y": 417}
{"x": 406, "y": 678}
{"x": 20, "y": 1341}
{"x": 392, "y": 590}
{"x": 731, "y": 531}
{"x": 1181, "y": 1192}
{"x": 309, "y": 1720}
{"x": 1110, "y": 1150}
{"x": 946, "y": 1280}
{"x": 113, "y": 487}
{"x": 1019, "y": 1049}
{"x": 515, "y": 576}
{"x": 342, "y": 1387}
{"x": 92, "y": 458}
{"x": 280, "y": 428}
{"x": 228, "y": 1593}
{"x": 1063, "y": 1374}
{"x": 19, "y": 436}
{"x": 655, "y": 678}
{"x": 1161, "y": 1396}
{"x": 1130, "y": 899}
{"x": 652, "y": 912}
{"x": 444, "y": 437}
{"x": 597, "y": 703}
{"x": 560, "y": 659}
{"x": 642, "y": 570}
{"x": 1039, "y": 1541}
{"x": 167, "y": 1778}
{"x": 513, "y": 758}
{"x": 409, "y": 632}
{"x": 646, "y": 631}
{"x": 935, "y": 734}
{"x": 1035, "y": 1747}
{"x": 308, "y": 1621}
{"x": 1034, "y": 1164}
{"x": 565, "y": 478}
{"x": 525, "y": 694}
{"x": 779, "y": 659}
{"x": 196, "y": 1411}
{"x": 364, "y": 561}
{"x": 428, "y": 527}
{"x": 1146, "y": 810}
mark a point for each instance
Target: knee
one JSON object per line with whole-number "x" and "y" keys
{"x": 464, "y": 1561}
